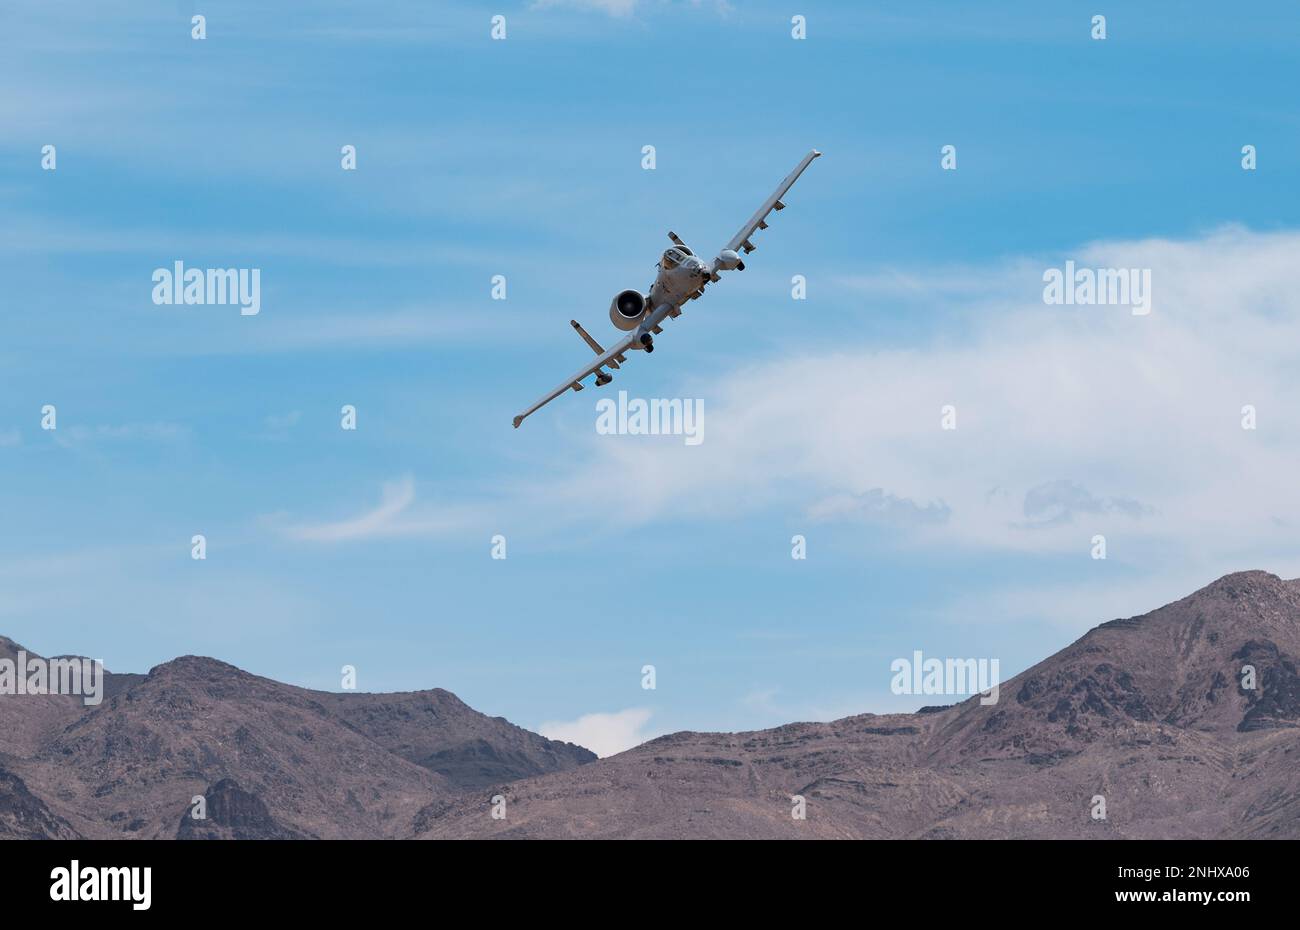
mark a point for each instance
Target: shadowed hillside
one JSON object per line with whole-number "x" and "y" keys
{"x": 271, "y": 759}
{"x": 1150, "y": 714}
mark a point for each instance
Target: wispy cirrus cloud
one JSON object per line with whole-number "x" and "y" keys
{"x": 612, "y": 7}
{"x": 383, "y": 520}
{"x": 1058, "y": 502}
{"x": 396, "y": 515}
{"x": 878, "y": 506}
{"x": 81, "y": 436}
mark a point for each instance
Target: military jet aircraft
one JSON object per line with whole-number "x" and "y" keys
{"x": 681, "y": 278}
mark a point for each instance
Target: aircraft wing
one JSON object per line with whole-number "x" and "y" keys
{"x": 758, "y": 220}
{"x": 613, "y": 353}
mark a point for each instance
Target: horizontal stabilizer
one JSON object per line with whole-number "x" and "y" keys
{"x": 592, "y": 343}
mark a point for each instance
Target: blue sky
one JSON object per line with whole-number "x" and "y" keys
{"x": 523, "y": 158}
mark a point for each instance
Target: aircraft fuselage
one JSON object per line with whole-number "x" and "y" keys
{"x": 680, "y": 275}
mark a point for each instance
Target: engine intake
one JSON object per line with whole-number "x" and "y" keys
{"x": 626, "y": 310}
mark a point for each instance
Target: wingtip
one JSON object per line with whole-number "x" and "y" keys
{"x": 518, "y": 420}
{"x": 816, "y": 154}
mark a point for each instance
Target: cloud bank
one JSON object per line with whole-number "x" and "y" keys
{"x": 603, "y": 734}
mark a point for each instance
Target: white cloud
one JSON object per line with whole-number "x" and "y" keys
{"x": 1070, "y": 420}
{"x": 603, "y": 734}
{"x": 394, "y": 516}
{"x": 623, "y": 8}
{"x": 612, "y": 7}
{"x": 877, "y": 506}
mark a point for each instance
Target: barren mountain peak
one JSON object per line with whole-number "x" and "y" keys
{"x": 273, "y": 760}
{"x": 1253, "y": 581}
{"x": 195, "y": 665}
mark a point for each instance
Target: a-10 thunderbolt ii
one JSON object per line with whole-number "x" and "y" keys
{"x": 681, "y": 277}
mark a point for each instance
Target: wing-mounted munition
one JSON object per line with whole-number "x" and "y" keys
{"x": 602, "y": 377}
{"x": 681, "y": 277}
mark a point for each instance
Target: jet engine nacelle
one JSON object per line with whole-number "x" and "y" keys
{"x": 729, "y": 260}
{"x": 626, "y": 310}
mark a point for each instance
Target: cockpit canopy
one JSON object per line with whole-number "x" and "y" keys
{"x": 672, "y": 258}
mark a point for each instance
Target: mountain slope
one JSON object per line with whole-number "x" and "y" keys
{"x": 271, "y": 759}
{"x": 1146, "y": 713}
{"x": 25, "y": 816}
{"x": 1184, "y": 722}
{"x": 438, "y": 731}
